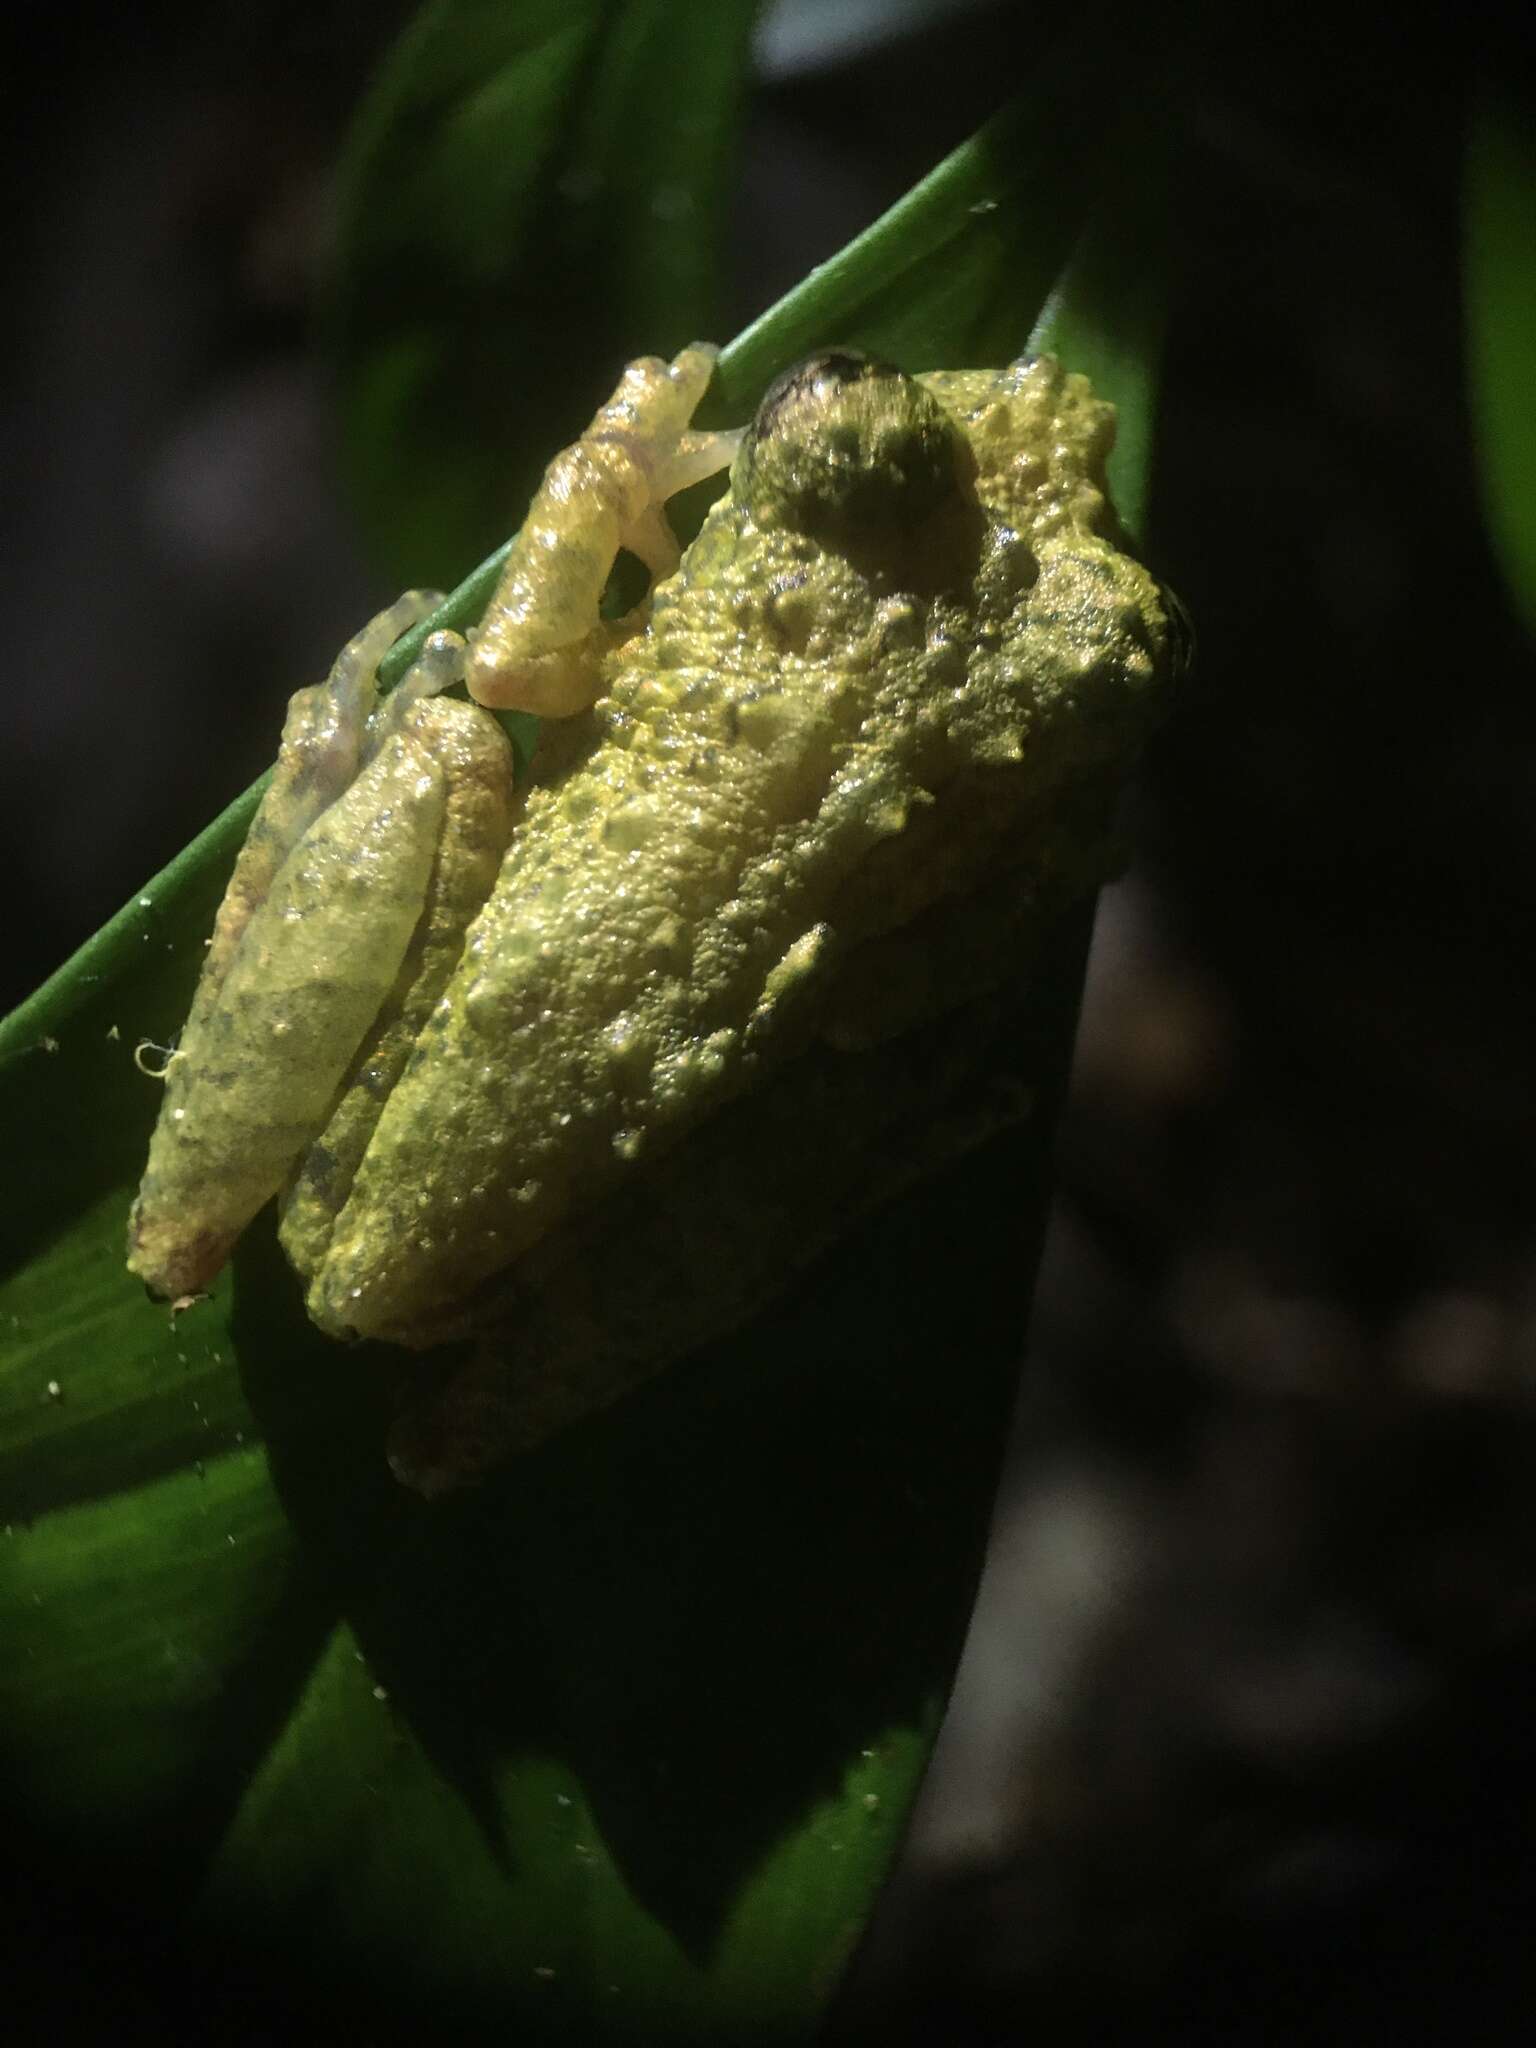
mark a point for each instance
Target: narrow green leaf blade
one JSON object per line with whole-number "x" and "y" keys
{"x": 955, "y": 272}
{"x": 1107, "y": 313}
{"x": 1500, "y": 306}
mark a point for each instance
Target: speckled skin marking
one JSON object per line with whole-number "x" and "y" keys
{"x": 863, "y": 751}
{"x": 900, "y": 638}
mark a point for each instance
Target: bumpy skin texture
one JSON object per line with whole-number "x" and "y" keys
{"x": 898, "y": 641}
{"x": 784, "y": 873}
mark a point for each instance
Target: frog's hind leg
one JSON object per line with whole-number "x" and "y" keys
{"x": 327, "y": 894}
{"x": 261, "y": 1067}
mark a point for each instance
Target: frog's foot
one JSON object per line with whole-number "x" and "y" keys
{"x": 438, "y": 667}
{"x": 322, "y": 744}
{"x": 542, "y": 643}
{"x": 352, "y": 686}
{"x": 325, "y": 736}
{"x": 174, "y": 1257}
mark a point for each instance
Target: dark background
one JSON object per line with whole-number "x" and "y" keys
{"x": 1241, "y": 1750}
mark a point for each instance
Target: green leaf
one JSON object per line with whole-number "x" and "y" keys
{"x": 1500, "y": 291}
{"x": 622, "y": 1744}
{"x": 1107, "y": 314}
{"x": 525, "y": 181}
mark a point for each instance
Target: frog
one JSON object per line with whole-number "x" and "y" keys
{"x": 794, "y": 829}
{"x": 379, "y": 836}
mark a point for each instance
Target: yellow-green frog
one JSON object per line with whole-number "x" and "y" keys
{"x": 723, "y": 973}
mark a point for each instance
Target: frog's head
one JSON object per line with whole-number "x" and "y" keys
{"x": 858, "y": 457}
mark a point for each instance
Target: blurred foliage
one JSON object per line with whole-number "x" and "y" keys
{"x": 524, "y": 182}
{"x": 1500, "y": 286}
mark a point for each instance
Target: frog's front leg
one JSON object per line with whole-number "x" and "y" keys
{"x": 307, "y": 966}
{"x": 541, "y": 644}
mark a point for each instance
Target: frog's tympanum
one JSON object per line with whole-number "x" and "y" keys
{"x": 586, "y": 1070}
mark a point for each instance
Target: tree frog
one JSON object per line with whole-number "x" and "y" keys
{"x": 793, "y": 823}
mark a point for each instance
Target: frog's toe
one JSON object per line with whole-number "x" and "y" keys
{"x": 351, "y": 683}
{"x": 172, "y": 1260}
{"x": 365, "y": 650}
{"x": 650, "y": 538}
{"x": 698, "y": 455}
{"x": 440, "y": 664}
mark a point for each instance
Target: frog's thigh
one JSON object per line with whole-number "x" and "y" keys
{"x": 480, "y": 806}
{"x": 255, "y": 1080}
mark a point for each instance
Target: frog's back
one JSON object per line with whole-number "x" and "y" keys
{"x": 805, "y": 754}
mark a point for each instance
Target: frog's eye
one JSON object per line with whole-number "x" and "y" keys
{"x": 856, "y": 455}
